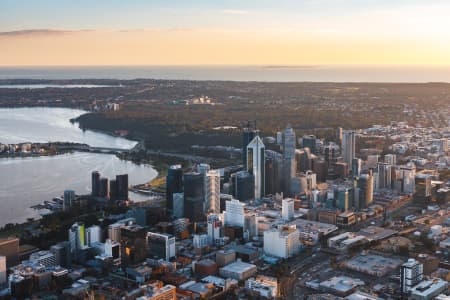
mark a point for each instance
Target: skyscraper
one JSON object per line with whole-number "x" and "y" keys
{"x": 174, "y": 184}
{"x": 365, "y": 186}
{"x": 274, "y": 172}
{"x": 289, "y": 166}
{"x": 243, "y": 186}
{"x": 248, "y": 135}
{"x": 287, "y": 209}
{"x": 69, "y": 198}
{"x": 348, "y": 146}
{"x": 122, "y": 186}
{"x": 256, "y": 165}
{"x": 95, "y": 181}
{"x": 77, "y": 237}
{"x": 411, "y": 273}
{"x": 194, "y": 196}
{"x": 212, "y": 192}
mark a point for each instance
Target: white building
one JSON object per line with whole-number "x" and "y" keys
{"x": 287, "y": 209}
{"x": 93, "y": 235}
{"x": 348, "y": 146}
{"x": 256, "y": 165}
{"x": 234, "y": 213}
{"x": 428, "y": 289}
{"x": 411, "y": 273}
{"x": 200, "y": 240}
{"x": 283, "y": 242}
{"x": 265, "y": 286}
{"x": 212, "y": 192}
{"x": 214, "y": 228}
{"x": 77, "y": 237}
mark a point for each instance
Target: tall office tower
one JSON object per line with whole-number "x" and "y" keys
{"x": 289, "y": 168}
{"x": 411, "y": 273}
{"x": 303, "y": 159}
{"x": 62, "y": 254}
{"x": 2, "y": 270}
{"x": 95, "y": 181}
{"x": 243, "y": 186}
{"x": 161, "y": 245}
{"x": 215, "y": 228}
{"x": 203, "y": 169}
{"x": 422, "y": 185}
{"x": 356, "y": 166}
{"x": 339, "y": 134}
{"x": 10, "y": 248}
{"x": 103, "y": 190}
{"x": 365, "y": 186}
{"x": 390, "y": 159}
{"x": 174, "y": 184}
{"x": 330, "y": 154}
{"x": 256, "y": 165}
{"x": 274, "y": 172}
{"x": 404, "y": 179}
{"x": 212, "y": 192}
{"x": 309, "y": 141}
{"x": 384, "y": 171}
{"x": 234, "y": 213}
{"x": 122, "y": 186}
{"x": 93, "y": 235}
{"x": 133, "y": 244}
{"x": 194, "y": 196}
{"x": 342, "y": 197}
{"x": 69, "y": 198}
{"x": 77, "y": 237}
{"x": 178, "y": 205}
{"x": 112, "y": 190}
{"x": 248, "y": 134}
{"x": 283, "y": 242}
{"x": 279, "y": 138}
{"x": 348, "y": 146}
{"x": 287, "y": 209}
{"x": 251, "y": 225}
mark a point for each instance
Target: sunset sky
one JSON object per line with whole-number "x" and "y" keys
{"x": 235, "y": 32}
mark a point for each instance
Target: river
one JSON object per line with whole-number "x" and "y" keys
{"x": 28, "y": 181}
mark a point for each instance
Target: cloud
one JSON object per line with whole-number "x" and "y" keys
{"x": 234, "y": 12}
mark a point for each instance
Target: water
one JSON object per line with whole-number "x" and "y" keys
{"x": 41, "y": 125}
{"x": 316, "y": 73}
{"x": 44, "y": 86}
{"x": 29, "y": 181}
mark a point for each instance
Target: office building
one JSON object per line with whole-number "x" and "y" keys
{"x": 212, "y": 192}
{"x": 411, "y": 274}
{"x": 287, "y": 209}
{"x": 283, "y": 242}
{"x": 45, "y": 258}
{"x": 348, "y": 146}
{"x": 161, "y": 245}
{"x": 428, "y": 289}
{"x": 95, "y": 183}
{"x": 264, "y": 286}
{"x": 122, "y": 187}
{"x": 93, "y": 235}
{"x": 133, "y": 244}
{"x": 365, "y": 191}
{"x": 10, "y": 249}
{"x": 390, "y": 159}
{"x": 309, "y": 141}
{"x": 174, "y": 184}
{"x": 113, "y": 190}
{"x": 112, "y": 249}
{"x": 103, "y": 190}
{"x": 248, "y": 134}
{"x": 289, "y": 164}
{"x": 69, "y": 199}
{"x": 404, "y": 179}
{"x": 356, "y": 166}
{"x": 274, "y": 172}
{"x": 234, "y": 213}
{"x": 62, "y": 254}
{"x": 423, "y": 185}
{"x": 194, "y": 196}
{"x": 178, "y": 205}
{"x": 243, "y": 186}
{"x": 384, "y": 171}
{"x": 342, "y": 196}
{"x": 215, "y": 228}
{"x": 256, "y": 165}
{"x": 238, "y": 270}
{"x": 77, "y": 238}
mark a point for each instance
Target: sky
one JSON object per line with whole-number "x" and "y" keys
{"x": 226, "y": 32}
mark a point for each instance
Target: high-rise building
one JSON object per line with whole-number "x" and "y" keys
{"x": 178, "y": 205}
{"x": 93, "y": 235}
{"x": 10, "y": 249}
{"x": 62, "y": 254}
{"x": 289, "y": 168}
{"x": 309, "y": 141}
{"x": 283, "y": 242}
{"x": 203, "y": 169}
{"x": 95, "y": 181}
{"x": 243, "y": 186}
{"x": 342, "y": 199}
{"x": 103, "y": 190}
{"x": 287, "y": 209}
{"x": 215, "y": 228}
{"x": 212, "y": 192}
{"x": 348, "y": 146}
{"x": 256, "y": 165}
{"x": 234, "y": 213}
{"x": 404, "y": 179}
{"x": 161, "y": 245}
{"x": 248, "y": 134}
{"x": 384, "y": 171}
{"x": 411, "y": 274}
{"x": 69, "y": 198}
{"x": 122, "y": 186}
{"x": 45, "y": 258}
{"x": 174, "y": 184}
{"x": 113, "y": 190}
{"x": 77, "y": 237}
{"x": 274, "y": 172}
{"x": 2, "y": 270}
{"x": 365, "y": 188}
{"x": 194, "y": 196}
{"x": 356, "y": 166}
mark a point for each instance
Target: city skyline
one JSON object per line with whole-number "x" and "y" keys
{"x": 227, "y": 33}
